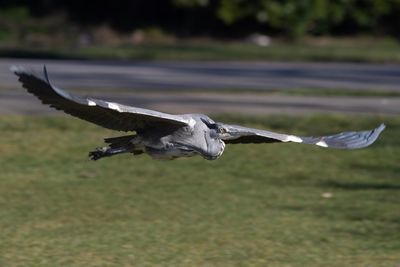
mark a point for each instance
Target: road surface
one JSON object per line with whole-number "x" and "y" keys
{"x": 20, "y": 102}
{"x": 211, "y": 75}
{"x": 101, "y": 78}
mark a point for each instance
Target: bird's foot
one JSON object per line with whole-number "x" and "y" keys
{"x": 99, "y": 153}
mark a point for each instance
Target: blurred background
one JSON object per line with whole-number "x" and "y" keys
{"x": 299, "y": 52}
{"x": 308, "y": 67}
{"x": 54, "y": 28}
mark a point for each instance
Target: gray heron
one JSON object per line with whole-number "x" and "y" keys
{"x": 167, "y": 136}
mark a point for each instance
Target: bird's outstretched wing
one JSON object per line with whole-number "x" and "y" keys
{"x": 346, "y": 140}
{"x": 106, "y": 114}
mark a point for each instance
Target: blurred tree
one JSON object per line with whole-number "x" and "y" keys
{"x": 291, "y": 18}
{"x": 295, "y": 18}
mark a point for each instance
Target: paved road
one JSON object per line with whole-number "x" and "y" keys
{"x": 101, "y": 77}
{"x": 20, "y": 102}
{"x": 211, "y": 75}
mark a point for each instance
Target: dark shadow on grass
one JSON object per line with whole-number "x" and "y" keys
{"x": 387, "y": 170}
{"x": 361, "y": 186}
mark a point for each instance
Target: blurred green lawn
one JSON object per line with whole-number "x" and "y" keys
{"x": 348, "y": 50}
{"x": 258, "y": 205}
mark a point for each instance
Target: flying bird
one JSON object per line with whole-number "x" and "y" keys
{"x": 167, "y": 136}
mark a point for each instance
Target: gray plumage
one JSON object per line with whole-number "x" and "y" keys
{"x": 166, "y": 136}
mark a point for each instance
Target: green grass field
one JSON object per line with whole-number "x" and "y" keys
{"x": 348, "y": 50}
{"x": 258, "y": 205}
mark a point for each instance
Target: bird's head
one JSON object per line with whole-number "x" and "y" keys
{"x": 222, "y": 131}
{"x": 219, "y": 129}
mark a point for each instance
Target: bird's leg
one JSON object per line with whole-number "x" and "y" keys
{"x": 102, "y": 152}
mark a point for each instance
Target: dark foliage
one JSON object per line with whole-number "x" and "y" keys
{"x": 289, "y": 18}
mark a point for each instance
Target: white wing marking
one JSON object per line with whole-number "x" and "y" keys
{"x": 91, "y": 103}
{"x": 322, "y": 144}
{"x": 114, "y": 106}
{"x": 292, "y": 138}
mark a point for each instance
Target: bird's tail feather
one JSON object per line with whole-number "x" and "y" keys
{"x": 124, "y": 142}
{"x": 119, "y": 141}
{"x": 116, "y": 145}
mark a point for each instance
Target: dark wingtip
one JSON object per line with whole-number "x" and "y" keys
{"x": 46, "y": 76}
{"x": 16, "y": 69}
{"x": 378, "y": 130}
{"x": 374, "y": 134}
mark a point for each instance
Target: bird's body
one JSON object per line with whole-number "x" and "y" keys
{"x": 186, "y": 141}
{"x": 167, "y": 136}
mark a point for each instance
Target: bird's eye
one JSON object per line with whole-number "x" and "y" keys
{"x": 222, "y": 130}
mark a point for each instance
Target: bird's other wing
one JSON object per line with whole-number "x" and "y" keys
{"x": 345, "y": 140}
{"x": 103, "y": 113}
